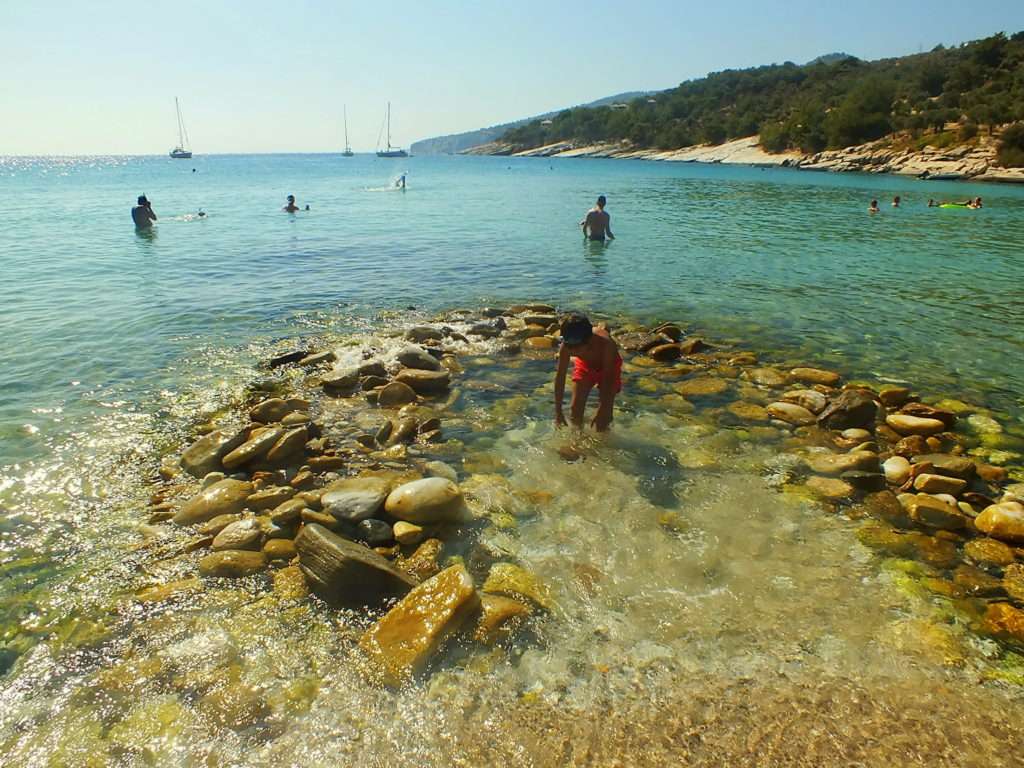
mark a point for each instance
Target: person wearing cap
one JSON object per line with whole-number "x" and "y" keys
{"x": 290, "y": 205}
{"x": 597, "y": 224}
{"x": 596, "y": 363}
{"x": 142, "y": 214}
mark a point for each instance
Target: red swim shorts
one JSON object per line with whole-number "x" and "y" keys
{"x": 583, "y": 372}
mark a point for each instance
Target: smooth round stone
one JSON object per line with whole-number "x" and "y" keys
{"x": 270, "y": 498}
{"x": 295, "y": 418}
{"x": 894, "y": 397}
{"x": 376, "y": 533}
{"x": 929, "y": 483}
{"x": 810, "y": 399}
{"x": 421, "y": 333}
{"x": 288, "y": 512}
{"x": 431, "y": 500}
{"x": 242, "y": 534}
{"x": 279, "y": 549}
{"x": 254, "y": 448}
{"x": 791, "y": 413}
{"x": 905, "y": 424}
{"x": 748, "y": 411}
{"x": 1003, "y": 521}
{"x": 837, "y": 463}
{"x": 983, "y": 424}
{"x": 218, "y": 524}
{"x": 290, "y": 446}
{"x": 212, "y": 477}
{"x": 665, "y": 352}
{"x": 394, "y": 394}
{"x": 897, "y": 470}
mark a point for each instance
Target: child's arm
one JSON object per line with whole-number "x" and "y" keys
{"x": 563, "y": 367}
{"x": 603, "y": 418}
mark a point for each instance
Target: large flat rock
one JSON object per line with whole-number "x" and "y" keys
{"x": 345, "y": 573}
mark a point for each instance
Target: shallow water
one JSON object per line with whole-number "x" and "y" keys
{"x": 703, "y": 614}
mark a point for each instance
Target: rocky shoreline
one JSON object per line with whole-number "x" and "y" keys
{"x": 966, "y": 162}
{"x": 331, "y": 482}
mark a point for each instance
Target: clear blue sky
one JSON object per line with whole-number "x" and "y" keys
{"x": 256, "y": 76}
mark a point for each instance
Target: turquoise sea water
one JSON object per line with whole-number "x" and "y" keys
{"x": 709, "y": 609}
{"x": 93, "y": 312}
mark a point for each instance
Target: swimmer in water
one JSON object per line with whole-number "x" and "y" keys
{"x": 597, "y": 363}
{"x": 873, "y": 208}
{"x": 896, "y": 202}
{"x": 597, "y": 224}
{"x": 932, "y": 203}
{"x": 201, "y": 215}
{"x": 400, "y": 183}
{"x": 290, "y": 206}
{"x": 142, "y": 214}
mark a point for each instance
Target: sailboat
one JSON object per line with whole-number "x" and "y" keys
{"x": 180, "y": 152}
{"x": 348, "y": 150}
{"x": 391, "y": 151}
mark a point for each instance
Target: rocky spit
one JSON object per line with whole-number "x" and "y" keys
{"x": 968, "y": 162}
{"x": 322, "y": 482}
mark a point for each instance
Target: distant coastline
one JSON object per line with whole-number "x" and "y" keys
{"x": 964, "y": 162}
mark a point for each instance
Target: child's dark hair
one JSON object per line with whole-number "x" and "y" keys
{"x": 576, "y": 329}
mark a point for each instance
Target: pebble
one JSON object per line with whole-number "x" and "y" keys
{"x": 407, "y": 533}
{"x": 232, "y": 563}
{"x": 1003, "y": 521}
{"x": 906, "y": 424}
{"x": 241, "y": 534}
{"x": 431, "y": 500}
{"x": 815, "y": 376}
{"x": 791, "y": 413}
{"x": 279, "y": 549}
{"x": 928, "y": 483}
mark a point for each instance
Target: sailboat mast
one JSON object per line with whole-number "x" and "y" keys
{"x": 389, "y": 126}
{"x": 181, "y": 129}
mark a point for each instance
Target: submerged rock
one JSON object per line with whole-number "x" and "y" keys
{"x": 814, "y": 376}
{"x": 1004, "y": 621}
{"x": 430, "y": 500}
{"x": 421, "y": 333}
{"x": 276, "y": 408}
{"x": 401, "y": 642}
{"x": 232, "y": 563}
{"x": 226, "y": 497}
{"x": 897, "y": 470}
{"x": 936, "y": 513}
{"x": 512, "y": 581}
{"x": 340, "y": 380}
{"x": 407, "y": 533}
{"x": 810, "y": 399}
{"x": 945, "y": 464}
{"x": 987, "y": 551}
{"x": 837, "y": 463}
{"x": 343, "y": 572}
{"x": 765, "y": 377}
{"x": 499, "y": 616}
{"x": 930, "y": 483}
{"x": 424, "y": 382}
{"x": 701, "y": 386}
{"x": 791, "y": 413}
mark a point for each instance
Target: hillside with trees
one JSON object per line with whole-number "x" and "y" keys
{"x": 830, "y": 103}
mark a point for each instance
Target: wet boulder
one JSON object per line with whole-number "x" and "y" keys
{"x": 853, "y": 408}
{"x": 511, "y": 580}
{"x": 417, "y": 357}
{"x": 242, "y": 534}
{"x": 340, "y": 380}
{"x": 226, "y": 497}
{"x": 405, "y": 638}
{"x": 810, "y": 399}
{"x": 1003, "y": 521}
{"x": 356, "y": 498}
{"x": 421, "y": 333}
{"x": 276, "y": 408}
{"x": 791, "y": 413}
{"x": 394, "y": 394}
{"x": 205, "y": 454}
{"x": 906, "y": 424}
{"x": 289, "y": 447}
{"x": 256, "y": 447}
{"x": 430, "y": 500}
{"x": 814, "y": 376}
{"x": 345, "y": 573}
{"x": 946, "y": 464}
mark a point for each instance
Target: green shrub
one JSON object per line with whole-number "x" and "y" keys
{"x": 1011, "y": 146}
{"x": 968, "y": 131}
{"x": 774, "y": 137}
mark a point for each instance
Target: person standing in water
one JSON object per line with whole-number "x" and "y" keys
{"x": 597, "y": 363}
{"x": 400, "y": 183}
{"x": 290, "y": 206}
{"x": 142, "y": 214}
{"x": 597, "y": 224}
{"x": 896, "y": 202}
{"x": 873, "y": 208}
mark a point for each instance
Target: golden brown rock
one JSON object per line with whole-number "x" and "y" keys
{"x": 401, "y": 642}
{"x": 499, "y": 616}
